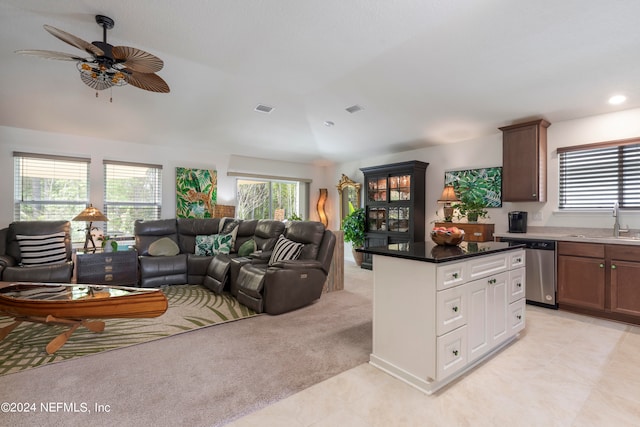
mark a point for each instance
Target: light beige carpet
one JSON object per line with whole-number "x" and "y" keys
{"x": 190, "y": 307}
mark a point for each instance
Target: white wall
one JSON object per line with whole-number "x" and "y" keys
{"x": 14, "y": 139}
{"x": 487, "y": 152}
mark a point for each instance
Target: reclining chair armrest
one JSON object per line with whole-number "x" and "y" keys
{"x": 7, "y": 261}
{"x": 298, "y": 264}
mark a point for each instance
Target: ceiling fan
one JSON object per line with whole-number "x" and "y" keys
{"x": 108, "y": 65}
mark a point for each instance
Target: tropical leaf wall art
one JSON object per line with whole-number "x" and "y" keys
{"x": 196, "y": 192}
{"x": 478, "y": 184}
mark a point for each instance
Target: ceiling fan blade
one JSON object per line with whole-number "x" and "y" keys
{"x": 147, "y": 81}
{"x": 137, "y": 60}
{"x": 74, "y": 41}
{"x": 49, "y": 54}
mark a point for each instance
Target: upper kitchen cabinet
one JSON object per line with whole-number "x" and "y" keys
{"x": 524, "y": 162}
{"x": 395, "y": 205}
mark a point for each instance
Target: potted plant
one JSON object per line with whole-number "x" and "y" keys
{"x": 471, "y": 207}
{"x": 353, "y": 226}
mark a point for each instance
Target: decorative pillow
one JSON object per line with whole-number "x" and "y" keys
{"x": 247, "y": 248}
{"x": 43, "y": 249}
{"x": 231, "y": 228}
{"x": 222, "y": 244}
{"x": 285, "y": 250}
{"x": 204, "y": 243}
{"x": 164, "y": 247}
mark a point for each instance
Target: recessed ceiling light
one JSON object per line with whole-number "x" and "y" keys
{"x": 329, "y": 123}
{"x": 617, "y": 99}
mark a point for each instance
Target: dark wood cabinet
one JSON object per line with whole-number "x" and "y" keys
{"x": 600, "y": 280}
{"x": 108, "y": 268}
{"x": 524, "y": 162}
{"x": 472, "y": 232}
{"x": 394, "y": 204}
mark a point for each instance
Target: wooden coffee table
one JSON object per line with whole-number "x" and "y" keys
{"x": 74, "y": 305}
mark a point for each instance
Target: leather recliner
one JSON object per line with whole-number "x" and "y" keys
{"x": 287, "y": 285}
{"x": 11, "y": 258}
{"x": 156, "y": 271}
{"x": 223, "y": 270}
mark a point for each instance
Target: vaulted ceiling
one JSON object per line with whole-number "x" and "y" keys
{"x": 424, "y": 72}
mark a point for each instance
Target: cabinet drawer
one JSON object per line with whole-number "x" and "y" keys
{"x": 451, "y": 352}
{"x": 450, "y": 275}
{"x": 487, "y": 265}
{"x": 517, "y": 280}
{"x": 591, "y": 250}
{"x": 517, "y": 259}
{"x": 516, "y": 316}
{"x": 451, "y": 309}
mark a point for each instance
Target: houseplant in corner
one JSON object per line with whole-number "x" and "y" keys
{"x": 353, "y": 226}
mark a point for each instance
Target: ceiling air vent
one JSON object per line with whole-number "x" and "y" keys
{"x": 261, "y": 108}
{"x": 354, "y": 108}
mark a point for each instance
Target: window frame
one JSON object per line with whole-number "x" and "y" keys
{"x": 109, "y": 206}
{"x": 586, "y": 171}
{"x": 55, "y": 169}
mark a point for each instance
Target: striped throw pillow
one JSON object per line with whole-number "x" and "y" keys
{"x": 285, "y": 250}
{"x": 43, "y": 249}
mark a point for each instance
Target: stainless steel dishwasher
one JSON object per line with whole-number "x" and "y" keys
{"x": 541, "y": 270}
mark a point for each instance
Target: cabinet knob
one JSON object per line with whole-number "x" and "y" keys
{"x": 455, "y": 352}
{"x": 534, "y": 195}
{"x": 613, "y": 267}
{"x": 454, "y": 308}
{"x": 454, "y": 275}
{"x": 519, "y": 316}
{"x": 492, "y": 281}
{"x": 601, "y": 265}
{"x": 519, "y": 285}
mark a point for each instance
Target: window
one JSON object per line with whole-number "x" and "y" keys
{"x": 50, "y": 188}
{"x": 267, "y": 199}
{"x": 131, "y": 191}
{"x": 596, "y": 176}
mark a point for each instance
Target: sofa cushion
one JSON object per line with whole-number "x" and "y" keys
{"x": 164, "y": 247}
{"x": 285, "y": 250}
{"x": 204, "y": 245}
{"x": 247, "y": 248}
{"x": 42, "y": 249}
{"x": 222, "y": 244}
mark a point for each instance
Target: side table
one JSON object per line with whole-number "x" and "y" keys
{"x": 108, "y": 268}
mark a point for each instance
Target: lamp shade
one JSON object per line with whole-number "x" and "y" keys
{"x": 322, "y": 199}
{"x": 448, "y": 195}
{"x": 90, "y": 214}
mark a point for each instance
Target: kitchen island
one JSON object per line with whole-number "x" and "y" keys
{"x": 440, "y": 310}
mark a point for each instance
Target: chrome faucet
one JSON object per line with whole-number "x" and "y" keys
{"x": 616, "y": 225}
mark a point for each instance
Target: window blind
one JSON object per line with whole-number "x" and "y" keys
{"x": 49, "y": 187}
{"x": 594, "y": 177}
{"x": 131, "y": 191}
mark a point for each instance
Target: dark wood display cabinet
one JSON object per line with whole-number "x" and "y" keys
{"x": 394, "y": 204}
{"x": 600, "y": 280}
{"x": 524, "y": 162}
{"x": 108, "y": 268}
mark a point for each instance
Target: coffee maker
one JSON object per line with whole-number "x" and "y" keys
{"x": 517, "y": 222}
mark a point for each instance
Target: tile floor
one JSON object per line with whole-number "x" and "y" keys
{"x": 564, "y": 370}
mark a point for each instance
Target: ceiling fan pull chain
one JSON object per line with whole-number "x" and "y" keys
{"x": 111, "y": 94}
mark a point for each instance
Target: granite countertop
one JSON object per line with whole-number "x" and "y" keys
{"x": 430, "y": 252}
{"x": 570, "y": 234}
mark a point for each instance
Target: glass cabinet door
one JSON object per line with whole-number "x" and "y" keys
{"x": 400, "y": 187}
{"x": 377, "y": 219}
{"x": 399, "y": 219}
{"x": 377, "y": 190}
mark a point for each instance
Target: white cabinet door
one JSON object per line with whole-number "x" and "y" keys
{"x": 452, "y": 352}
{"x": 451, "y": 309}
{"x": 487, "y": 314}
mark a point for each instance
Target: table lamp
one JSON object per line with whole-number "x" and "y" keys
{"x": 447, "y": 197}
{"x": 89, "y": 215}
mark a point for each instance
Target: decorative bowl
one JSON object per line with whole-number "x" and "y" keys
{"x": 447, "y": 238}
